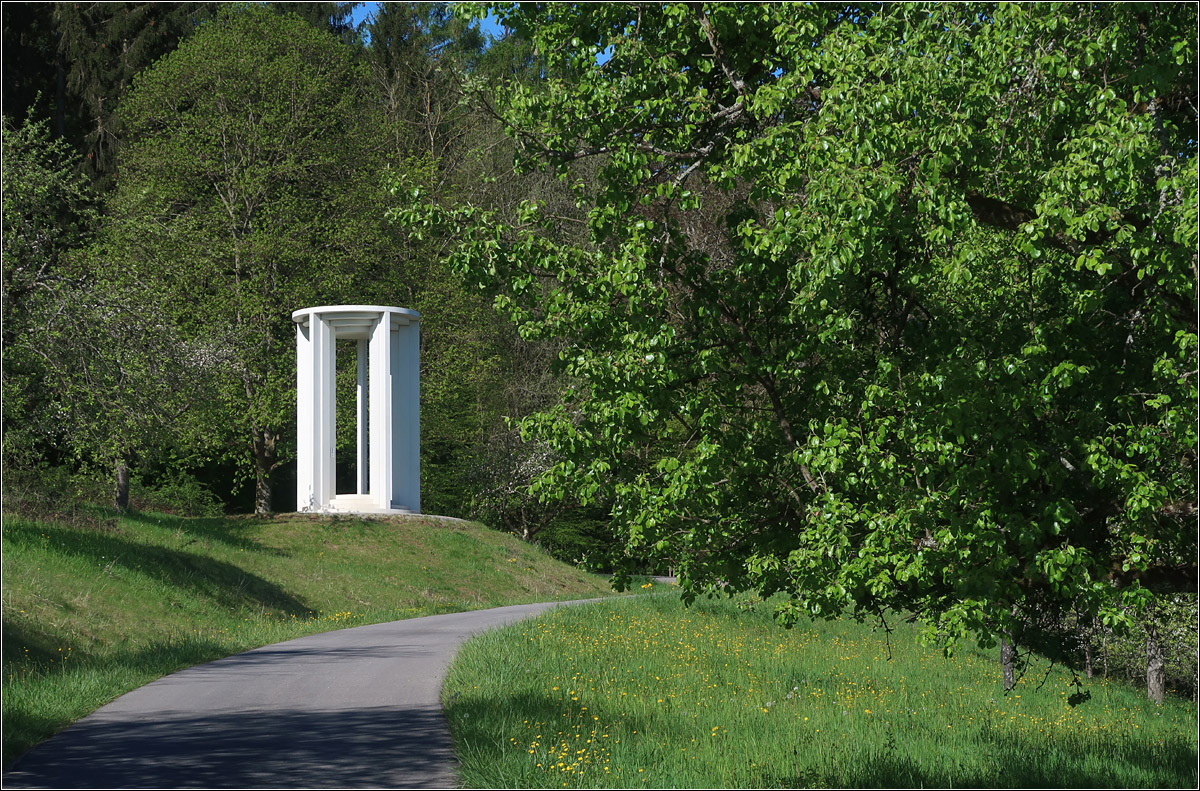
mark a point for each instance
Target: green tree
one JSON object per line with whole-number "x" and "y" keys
{"x": 48, "y": 213}
{"x": 88, "y": 378}
{"x": 417, "y": 56}
{"x": 477, "y": 373}
{"x": 332, "y": 17}
{"x": 82, "y": 57}
{"x": 245, "y": 193}
{"x": 122, "y": 386}
{"x": 879, "y": 307}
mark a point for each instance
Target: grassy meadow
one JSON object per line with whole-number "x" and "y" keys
{"x": 644, "y": 692}
{"x": 94, "y": 606}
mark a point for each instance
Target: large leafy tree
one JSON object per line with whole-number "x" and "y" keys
{"x": 878, "y": 307}
{"x": 49, "y": 213}
{"x": 88, "y": 378}
{"x": 476, "y": 373}
{"x": 81, "y": 58}
{"x": 414, "y": 57}
{"x": 244, "y": 192}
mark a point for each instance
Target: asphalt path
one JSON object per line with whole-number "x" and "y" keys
{"x": 355, "y": 708}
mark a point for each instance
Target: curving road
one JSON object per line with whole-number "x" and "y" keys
{"x": 347, "y": 709}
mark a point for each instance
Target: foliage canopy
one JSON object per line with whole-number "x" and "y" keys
{"x": 242, "y": 196}
{"x": 881, "y": 307}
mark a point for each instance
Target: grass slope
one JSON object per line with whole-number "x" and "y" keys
{"x": 642, "y": 692}
{"x": 94, "y": 609}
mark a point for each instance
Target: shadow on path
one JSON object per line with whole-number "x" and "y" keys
{"x": 378, "y": 747}
{"x": 353, "y": 708}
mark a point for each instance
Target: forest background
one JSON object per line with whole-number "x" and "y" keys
{"x": 900, "y": 323}
{"x": 108, "y": 375}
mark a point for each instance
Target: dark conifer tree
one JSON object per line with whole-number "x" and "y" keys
{"x": 103, "y": 46}
{"x": 31, "y": 65}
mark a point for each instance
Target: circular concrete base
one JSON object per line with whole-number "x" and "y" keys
{"x": 358, "y": 504}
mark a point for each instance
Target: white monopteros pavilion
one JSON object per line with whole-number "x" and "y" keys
{"x": 388, "y": 425}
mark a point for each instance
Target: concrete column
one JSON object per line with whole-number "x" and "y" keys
{"x": 406, "y": 400}
{"x": 325, "y": 393}
{"x": 306, "y": 420}
{"x": 381, "y": 415}
{"x": 361, "y": 433}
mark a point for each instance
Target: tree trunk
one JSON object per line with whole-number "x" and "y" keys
{"x": 121, "y": 496}
{"x": 264, "y": 462}
{"x": 262, "y": 493}
{"x": 1086, "y": 638}
{"x": 1008, "y": 657}
{"x": 1156, "y": 686}
{"x": 1104, "y": 649}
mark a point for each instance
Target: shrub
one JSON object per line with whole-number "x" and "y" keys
{"x": 179, "y": 494}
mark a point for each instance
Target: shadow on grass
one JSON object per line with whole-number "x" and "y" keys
{"x": 224, "y": 583}
{"x": 230, "y": 532}
{"x": 1020, "y": 763}
{"x": 382, "y": 747}
{"x": 30, "y": 652}
{"x": 26, "y": 722}
{"x": 28, "y": 647}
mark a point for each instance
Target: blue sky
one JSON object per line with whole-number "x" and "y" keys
{"x": 362, "y": 10}
{"x": 488, "y": 24}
